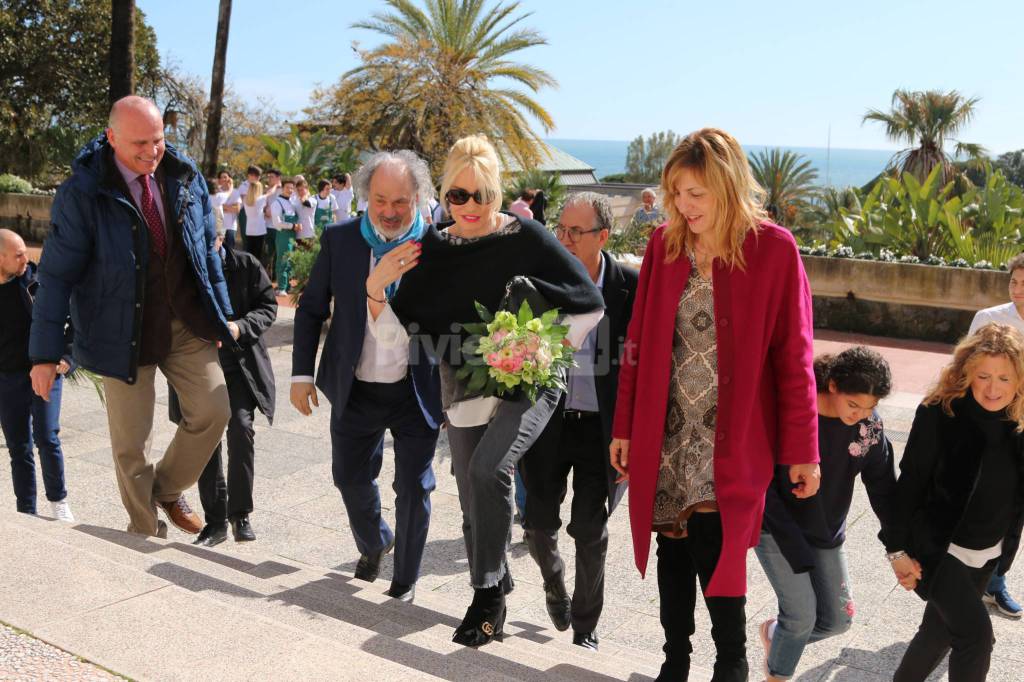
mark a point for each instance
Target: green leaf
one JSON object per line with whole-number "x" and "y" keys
{"x": 549, "y": 317}
{"x": 483, "y": 312}
{"x": 477, "y": 381}
{"x": 525, "y": 314}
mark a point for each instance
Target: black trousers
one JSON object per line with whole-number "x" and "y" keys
{"x": 576, "y": 444}
{"x": 955, "y": 621}
{"x": 681, "y": 562}
{"x": 228, "y": 499}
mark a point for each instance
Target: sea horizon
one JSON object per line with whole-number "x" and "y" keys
{"x": 836, "y": 166}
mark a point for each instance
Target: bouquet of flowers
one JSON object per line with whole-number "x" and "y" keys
{"x": 507, "y": 352}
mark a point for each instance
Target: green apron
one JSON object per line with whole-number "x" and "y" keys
{"x": 323, "y": 217}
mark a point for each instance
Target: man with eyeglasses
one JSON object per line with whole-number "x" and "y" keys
{"x": 578, "y": 435}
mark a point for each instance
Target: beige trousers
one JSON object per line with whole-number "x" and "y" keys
{"x": 193, "y": 369}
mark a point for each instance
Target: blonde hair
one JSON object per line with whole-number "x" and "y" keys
{"x": 955, "y": 378}
{"x": 475, "y": 152}
{"x": 718, "y": 160}
{"x": 254, "y": 192}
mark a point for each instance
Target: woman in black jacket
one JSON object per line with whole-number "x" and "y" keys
{"x": 960, "y": 501}
{"x": 474, "y": 259}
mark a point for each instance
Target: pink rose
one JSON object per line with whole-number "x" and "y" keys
{"x": 499, "y": 335}
{"x": 856, "y": 450}
{"x": 508, "y": 365}
{"x": 493, "y": 359}
{"x": 532, "y": 343}
{"x": 517, "y": 363}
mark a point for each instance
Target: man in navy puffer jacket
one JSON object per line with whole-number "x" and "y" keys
{"x": 130, "y": 251}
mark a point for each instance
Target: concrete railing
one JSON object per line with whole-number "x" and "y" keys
{"x": 26, "y": 214}
{"x": 925, "y": 302}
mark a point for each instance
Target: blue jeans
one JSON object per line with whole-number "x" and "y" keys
{"x": 25, "y": 417}
{"x": 812, "y": 606}
{"x": 520, "y": 495}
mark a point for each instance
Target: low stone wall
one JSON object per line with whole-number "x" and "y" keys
{"x": 26, "y": 214}
{"x": 900, "y": 300}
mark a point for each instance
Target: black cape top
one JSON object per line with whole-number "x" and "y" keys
{"x": 438, "y": 295}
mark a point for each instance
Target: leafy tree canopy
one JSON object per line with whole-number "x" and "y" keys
{"x": 54, "y": 77}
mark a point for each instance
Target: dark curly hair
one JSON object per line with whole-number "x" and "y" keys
{"x": 856, "y": 370}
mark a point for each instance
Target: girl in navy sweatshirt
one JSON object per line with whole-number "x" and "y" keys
{"x": 801, "y": 547}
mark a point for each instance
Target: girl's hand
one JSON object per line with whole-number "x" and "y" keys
{"x": 806, "y": 479}
{"x": 619, "y": 452}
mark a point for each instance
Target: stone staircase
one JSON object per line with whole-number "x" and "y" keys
{"x": 164, "y": 610}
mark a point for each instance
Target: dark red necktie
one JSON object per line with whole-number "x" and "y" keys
{"x": 152, "y": 216}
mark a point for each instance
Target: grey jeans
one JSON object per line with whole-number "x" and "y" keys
{"x": 483, "y": 459}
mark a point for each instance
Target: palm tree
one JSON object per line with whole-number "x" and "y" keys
{"x": 122, "y": 49}
{"x": 927, "y": 121}
{"x": 444, "y": 71}
{"x": 789, "y": 180}
{"x": 220, "y": 51}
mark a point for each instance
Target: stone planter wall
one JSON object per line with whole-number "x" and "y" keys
{"x": 900, "y": 300}
{"x": 26, "y": 214}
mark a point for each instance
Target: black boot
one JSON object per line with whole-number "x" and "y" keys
{"x": 485, "y": 618}
{"x": 676, "y": 602}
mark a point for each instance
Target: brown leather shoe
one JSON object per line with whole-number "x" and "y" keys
{"x": 181, "y": 515}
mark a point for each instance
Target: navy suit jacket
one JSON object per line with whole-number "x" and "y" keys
{"x": 340, "y": 273}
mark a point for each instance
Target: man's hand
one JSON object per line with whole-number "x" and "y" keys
{"x": 392, "y": 266}
{"x": 806, "y": 479}
{"x": 235, "y": 331}
{"x": 301, "y": 393}
{"x": 43, "y": 376}
{"x": 63, "y": 367}
{"x": 619, "y": 452}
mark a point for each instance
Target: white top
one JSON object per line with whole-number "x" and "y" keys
{"x": 330, "y": 204}
{"x": 344, "y": 199}
{"x": 306, "y": 215}
{"x": 221, "y": 199}
{"x": 1001, "y": 314}
{"x": 975, "y": 558}
{"x": 255, "y": 225}
{"x": 385, "y": 355}
{"x": 279, "y": 208}
{"x": 361, "y": 205}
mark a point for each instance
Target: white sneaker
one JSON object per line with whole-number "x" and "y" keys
{"x": 62, "y": 511}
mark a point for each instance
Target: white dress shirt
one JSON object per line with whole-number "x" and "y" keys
{"x": 385, "y": 355}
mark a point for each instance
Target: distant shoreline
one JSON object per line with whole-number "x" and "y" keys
{"x": 838, "y": 167}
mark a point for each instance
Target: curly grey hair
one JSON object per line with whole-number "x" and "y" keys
{"x": 599, "y": 202}
{"x": 418, "y": 170}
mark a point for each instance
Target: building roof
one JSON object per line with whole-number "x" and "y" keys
{"x": 554, "y": 160}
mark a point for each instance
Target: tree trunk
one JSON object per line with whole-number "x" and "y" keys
{"x": 210, "y": 150}
{"x": 122, "y": 49}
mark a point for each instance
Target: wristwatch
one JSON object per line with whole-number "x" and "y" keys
{"x": 893, "y": 556}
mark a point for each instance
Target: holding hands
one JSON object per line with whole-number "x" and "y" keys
{"x": 907, "y": 570}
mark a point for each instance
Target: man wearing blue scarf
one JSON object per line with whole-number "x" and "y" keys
{"x": 373, "y": 381}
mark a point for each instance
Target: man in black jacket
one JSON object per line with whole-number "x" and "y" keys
{"x": 250, "y": 381}
{"x": 578, "y": 435}
{"x": 25, "y": 417}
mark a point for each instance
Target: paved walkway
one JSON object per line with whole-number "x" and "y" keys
{"x": 299, "y": 517}
{"x": 26, "y": 659}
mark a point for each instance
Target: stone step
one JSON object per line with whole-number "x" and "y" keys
{"x": 430, "y": 610}
{"x": 268, "y": 596}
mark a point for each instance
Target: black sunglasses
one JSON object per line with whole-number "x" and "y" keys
{"x": 459, "y": 196}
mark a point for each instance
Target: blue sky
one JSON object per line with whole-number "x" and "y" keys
{"x": 774, "y": 73}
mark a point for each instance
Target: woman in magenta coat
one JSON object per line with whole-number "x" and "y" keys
{"x": 716, "y": 387}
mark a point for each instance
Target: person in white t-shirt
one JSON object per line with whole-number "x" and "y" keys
{"x": 1011, "y": 313}
{"x": 254, "y": 200}
{"x": 230, "y": 202}
{"x": 305, "y": 204}
{"x": 327, "y": 211}
{"x": 284, "y": 219}
{"x": 341, "y": 189}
